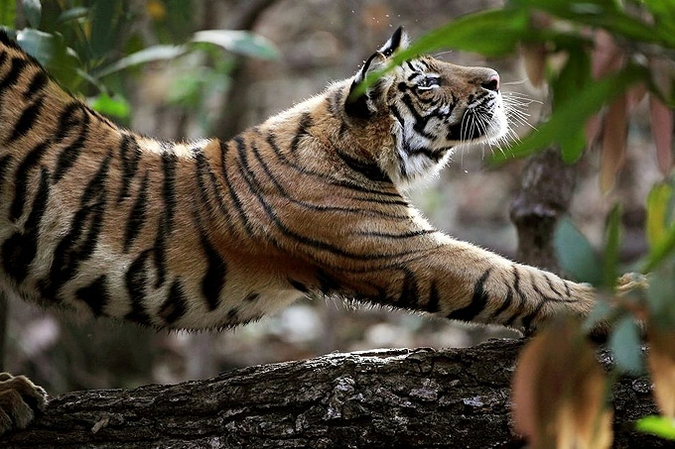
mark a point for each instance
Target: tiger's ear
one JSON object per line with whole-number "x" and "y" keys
{"x": 365, "y": 104}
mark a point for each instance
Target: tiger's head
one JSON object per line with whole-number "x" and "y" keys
{"x": 432, "y": 107}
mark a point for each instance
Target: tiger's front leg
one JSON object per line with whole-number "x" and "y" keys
{"x": 457, "y": 280}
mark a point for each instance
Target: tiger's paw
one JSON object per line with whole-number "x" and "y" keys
{"x": 630, "y": 282}
{"x": 20, "y": 399}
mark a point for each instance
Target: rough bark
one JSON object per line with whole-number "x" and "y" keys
{"x": 455, "y": 398}
{"x": 545, "y": 195}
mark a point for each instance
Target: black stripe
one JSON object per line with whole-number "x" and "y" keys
{"x": 298, "y": 286}
{"x": 420, "y": 122}
{"x": 505, "y": 305}
{"x": 17, "y": 66}
{"x": 478, "y": 301}
{"x": 68, "y": 119}
{"x": 175, "y": 305}
{"x": 3, "y": 54}
{"x": 21, "y": 179}
{"x": 130, "y": 154}
{"x": 397, "y": 236}
{"x": 370, "y": 169}
{"x": 19, "y": 250}
{"x": 71, "y": 153}
{"x": 137, "y": 216}
{"x": 433, "y": 303}
{"x": 36, "y": 85}
{"x": 214, "y": 279}
{"x": 209, "y": 184}
{"x": 409, "y": 295}
{"x": 27, "y": 120}
{"x": 95, "y": 295}
{"x": 550, "y": 284}
{"x": 304, "y": 124}
{"x": 79, "y": 243}
{"x": 252, "y": 297}
{"x": 135, "y": 281}
{"x": 231, "y": 190}
{"x": 169, "y": 161}
{"x": 4, "y": 167}
{"x": 327, "y": 283}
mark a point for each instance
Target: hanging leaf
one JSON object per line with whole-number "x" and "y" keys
{"x": 575, "y": 253}
{"x": 33, "y": 12}
{"x": 663, "y": 76}
{"x": 534, "y": 60}
{"x": 661, "y": 119}
{"x": 235, "y": 41}
{"x": 606, "y": 57}
{"x": 658, "y": 209}
{"x": 111, "y": 106}
{"x": 614, "y": 135}
{"x": 624, "y": 342}
{"x": 573, "y": 115}
{"x": 660, "y": 426}
{"x": 148, "y": 54}
{"x": 559, "y": 391}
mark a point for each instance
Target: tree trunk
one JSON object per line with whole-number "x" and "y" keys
{"x": 408, "y": 398}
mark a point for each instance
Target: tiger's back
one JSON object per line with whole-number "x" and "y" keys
{"x": 211, "y": 234}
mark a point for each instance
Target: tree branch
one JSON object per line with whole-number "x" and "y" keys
{"x": 391, "y": 398}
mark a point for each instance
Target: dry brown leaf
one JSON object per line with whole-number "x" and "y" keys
{"x": 534, "y": 61}
{"x": 635, "y": 95}
{"x": 661, "y": 117}
{"x": 535, "y": 55}
{"x": 663, "y": 75}
{"x": 592, "y": 129}
{"x": 661, "y": 360}
{"x": 607, "y": 56}
{"x": 614, "y": 134}
{"x": 559, "y": 392}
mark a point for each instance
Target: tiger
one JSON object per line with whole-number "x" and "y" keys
{"x": 212, "y": 234}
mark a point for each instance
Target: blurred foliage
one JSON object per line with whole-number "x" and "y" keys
{"x": 600, "y": 58}
{"x": 92, "y": 46}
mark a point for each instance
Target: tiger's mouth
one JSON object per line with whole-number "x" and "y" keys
{"x": 483, "y": 122}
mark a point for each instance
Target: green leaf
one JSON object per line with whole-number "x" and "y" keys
{"x": 241, "y": 42}
{"x": 612, "y": 242}
{"x": 8, "y": 13}
{"x": 575, "y": 75}
{"x": 660, "y": 251}
{"x": 475, "y": 33}
{"x": 658, "y": 209}
{"x": 116, "y": 107}
{"x": 607, "y": 14}
{"x": 76, "y": 13}
{"x": 661, "y": 426}
{"x": 625, "y": 345}
{"x": 572, "y": 115}
{"x": 32, "y": 9}
{"x": 52, "y": 52}
{"x": 660, "y": 294}
{"x": 575, "y": 253}
{"x": 103, "y": 19}
{"x": 148, "y": 54}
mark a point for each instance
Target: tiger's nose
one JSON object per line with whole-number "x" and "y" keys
{"x": 491, "y": 81}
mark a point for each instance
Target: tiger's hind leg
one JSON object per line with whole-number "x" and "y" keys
{"x": 20, "y": 400}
